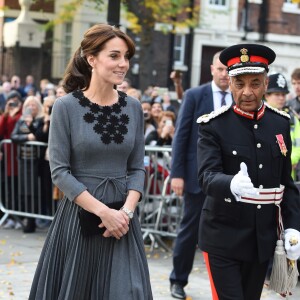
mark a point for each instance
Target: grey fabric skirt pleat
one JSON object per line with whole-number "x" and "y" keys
{"x": 73, "y": 267}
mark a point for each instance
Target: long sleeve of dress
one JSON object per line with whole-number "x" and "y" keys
{"x": 60, "y": 152}
{"x": 135, "y": 163}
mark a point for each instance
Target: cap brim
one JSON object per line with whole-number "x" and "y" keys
{"x": 274, "y": 90}
{"x": 246, "y": 70}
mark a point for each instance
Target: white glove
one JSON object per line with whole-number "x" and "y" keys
{"x": 292, "y": 243}
{"x": 241, "y": 184}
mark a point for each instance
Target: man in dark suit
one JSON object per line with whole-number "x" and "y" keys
{"x": 245, "y": 170}
{"x": 197, "y": 101}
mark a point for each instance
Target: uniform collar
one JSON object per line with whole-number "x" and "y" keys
{"x": 256, "y": 115}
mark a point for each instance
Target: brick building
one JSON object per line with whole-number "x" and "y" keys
{"x": 221, "y": 24}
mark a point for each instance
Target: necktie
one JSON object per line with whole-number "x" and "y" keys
{"x": 223, "y": 102}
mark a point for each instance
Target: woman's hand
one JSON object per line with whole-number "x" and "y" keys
{"x": 116, "y": 223}
{"x": 168, "y": 130}
{"x": 31, "y": 137}
{"x": 11, "y": 108}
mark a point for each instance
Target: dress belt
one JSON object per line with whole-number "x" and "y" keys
{"x": 265, "y": 196}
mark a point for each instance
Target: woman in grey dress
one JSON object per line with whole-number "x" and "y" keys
{"x": 96, "y": 150}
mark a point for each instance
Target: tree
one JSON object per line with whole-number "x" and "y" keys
{"x": 142, "y": 17}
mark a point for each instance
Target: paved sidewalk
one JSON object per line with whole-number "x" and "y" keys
{"x": 19, "y": 253}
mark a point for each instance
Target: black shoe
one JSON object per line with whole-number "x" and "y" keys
{"x": 30, "y": 226}
{"x": 177, "y": 291}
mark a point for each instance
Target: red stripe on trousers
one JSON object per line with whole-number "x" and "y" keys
{"x": 212, "y": 285}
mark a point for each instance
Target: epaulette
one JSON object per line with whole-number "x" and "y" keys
{"x": 206, "y": 118}
{"x": 280, "y": 112}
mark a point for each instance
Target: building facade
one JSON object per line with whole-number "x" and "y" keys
{"x": 221, "y": 23}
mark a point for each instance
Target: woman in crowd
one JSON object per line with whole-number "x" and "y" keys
{"x": 156, "y": 109}
{"x": 99, "y": 166}
{"x": 12, "y": 113}
{"x": 25, "y": 130}
{"x": 164, "y": 134}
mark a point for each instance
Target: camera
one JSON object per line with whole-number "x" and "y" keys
{"x": 169, "y": 122}
{"x": 12, "y": 104}
{"x": 146, "y": 115}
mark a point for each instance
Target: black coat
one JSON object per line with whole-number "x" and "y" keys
{"x": 234, "y": 229}
{"x": 197, "y": 101}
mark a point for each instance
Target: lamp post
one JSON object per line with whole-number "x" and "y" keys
{"x": 113, "y": 12}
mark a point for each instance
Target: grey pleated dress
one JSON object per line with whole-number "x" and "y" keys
{"x": 99, "y": 149}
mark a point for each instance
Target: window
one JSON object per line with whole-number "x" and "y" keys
{"x": 179, "y": 49}
{"x": 218, "y": 2}
{"x": 290, "y": 7}
{"x": 67, "y": 45}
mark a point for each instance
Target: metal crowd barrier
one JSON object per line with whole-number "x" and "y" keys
{"x": 25, "y": 195}
{"x": 24, "y": 191}
{"x": 161, "y": 210}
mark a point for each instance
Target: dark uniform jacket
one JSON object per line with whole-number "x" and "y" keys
{"x": 234, "y": 229}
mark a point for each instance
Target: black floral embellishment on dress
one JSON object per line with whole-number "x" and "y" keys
{"x": 106, "y": 110}
{"x": 99, "y": 128}
{"x": 102, "y": 119}
{"x": 77, "y": 94}
{"x": 123, "y": 129}
{"x": 122, "y": 102}
{"x": 124, "y": 119}
{"x": 116, "y": 108}
{"x": 108, "y": 122}
{"x": 89, "y": 118}
{"x": 95, "y": 108}
{"x": 106, "y": 139}
{"x": 114, "y": 120}
{"x": 119, "y": 138}
{"x": 111, "y": 129}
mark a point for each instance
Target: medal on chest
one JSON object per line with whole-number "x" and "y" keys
{"x": 281, "y": 144}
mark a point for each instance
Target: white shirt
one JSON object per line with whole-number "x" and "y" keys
{"x": 218, "y": 96}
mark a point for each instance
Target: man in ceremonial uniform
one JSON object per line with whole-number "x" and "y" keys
{"x": 244, "y": 168}
{"x": 197, "y": 101}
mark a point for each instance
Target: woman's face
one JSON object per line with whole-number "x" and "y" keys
{"x": 33, "y": 107}
{"x": 156, "y": 110}
{"x": 112, "y": 63}
{"x": 276, "y": 99}
{"x": 165, "y": 120}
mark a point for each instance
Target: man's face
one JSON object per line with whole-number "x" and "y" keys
{"x": 248, "y": 89}
{"x": 296, "y": 86}
{"x": 220, "y": 75}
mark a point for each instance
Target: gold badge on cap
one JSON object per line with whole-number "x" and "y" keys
{"x": 244, "y": 57}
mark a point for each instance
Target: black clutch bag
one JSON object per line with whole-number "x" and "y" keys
{"x": 89, "y": 222}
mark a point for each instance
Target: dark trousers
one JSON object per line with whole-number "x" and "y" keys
{"x": 235, "y": 280}
{"x": 187, "y": 239}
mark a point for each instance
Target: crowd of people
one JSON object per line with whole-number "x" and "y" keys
{"x": 222, "y": 124}
{"x": 24, "y": 117}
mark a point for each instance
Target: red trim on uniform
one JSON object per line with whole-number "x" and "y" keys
{"x": 270, "y": 193}
{"x": 261, "y": 200}
{"x": 250, "y": 114}
{"x": 212, "y": 285}
{"x": 252, "y": 58}
{"x": 261, "y": 112}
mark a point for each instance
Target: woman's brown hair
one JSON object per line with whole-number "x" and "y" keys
{"x": 78, "y": 72}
